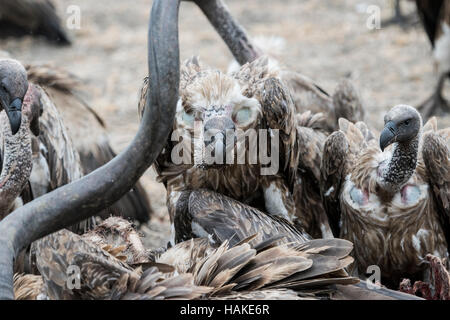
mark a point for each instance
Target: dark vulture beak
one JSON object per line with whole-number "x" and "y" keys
{"x": 14, "y": 113}
{"x": 388, "y": 135}
{"x": 216, "y": 126}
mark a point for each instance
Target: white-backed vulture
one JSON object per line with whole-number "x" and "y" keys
{"x": 31, "y": 17}
{"x": 251, "y": 105}
{"x": 16, "y": 121}
{"x": 260, "y": 95}
{"x": 88, "y": 134}
{"x": 393, "y": 204}
{"x": 55, "y": 162}
{"x": 435, "y": 16}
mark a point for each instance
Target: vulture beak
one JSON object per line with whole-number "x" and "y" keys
{"x": 215, "y": 137}
{"x": 14, "y": 113}
{"x": 217, "y": 128}
{"x": 388, "y": 135}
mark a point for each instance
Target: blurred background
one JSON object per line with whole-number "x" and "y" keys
{"x": 324, "y": 40}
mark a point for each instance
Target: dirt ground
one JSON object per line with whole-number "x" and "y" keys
{"x": 325, "y": 40}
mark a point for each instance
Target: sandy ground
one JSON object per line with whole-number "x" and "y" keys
{"x": 325, "y": 40}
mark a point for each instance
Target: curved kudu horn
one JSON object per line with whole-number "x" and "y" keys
{"x": 231, "y": 32}
{"x": 83, "y": 198}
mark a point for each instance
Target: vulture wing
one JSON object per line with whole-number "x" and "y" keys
{"x": 87, "y": 131}
{"x": 339, "y": 151}
{"x": 310, "y": 141}
{"x": 209, "y": 213}
{"x": 332, "y": 176}
{"x": 278, "y": 111}
{"x": 103, "y": 275}
{"x": 35, "y": 17}
{"x": 436, "y": 156}
{"x": 55, "y": 160}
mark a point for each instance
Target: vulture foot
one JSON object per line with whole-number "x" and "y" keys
{"x": 403, "y": 21}
{"x": 438, "y": 287}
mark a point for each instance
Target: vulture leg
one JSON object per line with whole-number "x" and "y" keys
{"x": 83, "y": 198}
{"x": 399, "y": 18}
{"x": 436, "y": 104}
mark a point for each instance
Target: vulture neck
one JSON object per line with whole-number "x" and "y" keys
{"x": 17, "y": 163}
{"x": 401, "y": 165}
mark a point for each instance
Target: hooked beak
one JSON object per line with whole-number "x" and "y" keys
{"x": 217, "y": 139}
{"x": 388, "y": 135}
{"x": 14, "y": 113}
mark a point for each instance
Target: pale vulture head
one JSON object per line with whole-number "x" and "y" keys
{"x": 401, "y": 124}
{"x": 211, "y": 106}
{"x": 13, "y": 87}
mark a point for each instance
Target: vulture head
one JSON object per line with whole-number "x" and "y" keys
{"x": 402, "y": 124}
{"x": 13, "y": 87}
{"x": 213, "y": 110}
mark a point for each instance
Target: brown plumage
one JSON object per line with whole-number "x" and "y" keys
{"x": 245, "y": 270}
{"x": 392, "y": 205}
{"x": 104, "y": 273}
{"x": 211, "y": 97}
{"x": 28, "y": 287}
{"x": 15, "y": 158}
{"x": 88, "y": 134}
{"x": 435, "y": 16}
{"x": 31, "y": 17}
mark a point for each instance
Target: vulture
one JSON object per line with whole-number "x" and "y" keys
{"x": 70, "y": 139}
{"x": 87, "y": 131}
{"x": 54, "y": 160}
{"x": 31, "y": 17}
{"x": 113, "y": 264}
{"x": 435, "y": 17}
{"x": 390, "y": 199}
{"x": 253, "y": 105}
{"x": 261, "y": 96}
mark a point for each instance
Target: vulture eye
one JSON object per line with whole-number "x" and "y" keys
{"x": 406, "y": 122}
{"x": 4, "y": 87}
{"x": 242, "y": 115}
{"x": 188, "y": 116}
